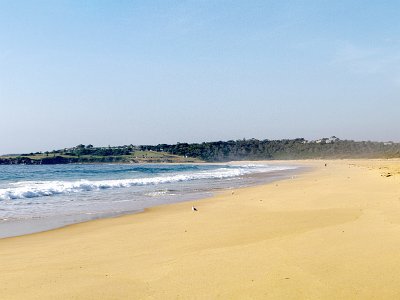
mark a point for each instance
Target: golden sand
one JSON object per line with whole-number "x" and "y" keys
{"x": 333, "y": 233}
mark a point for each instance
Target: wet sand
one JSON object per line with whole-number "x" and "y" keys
{"x": 333, "y": 233}
{"x": 37, "y": 223}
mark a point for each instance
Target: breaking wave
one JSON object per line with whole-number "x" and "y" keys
{"x": 32, "y": 189}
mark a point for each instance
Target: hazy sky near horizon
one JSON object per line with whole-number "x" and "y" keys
{"x": 149, "y": 72}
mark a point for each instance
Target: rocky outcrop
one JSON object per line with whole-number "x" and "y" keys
{"x": 22, "y": 160}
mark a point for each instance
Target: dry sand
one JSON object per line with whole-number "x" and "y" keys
{"x": 333, "y": 233}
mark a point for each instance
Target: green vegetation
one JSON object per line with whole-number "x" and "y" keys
{"x": 251, "y": 149}
{"x": 90, "y": 154}
{"x": 300, "y": 148}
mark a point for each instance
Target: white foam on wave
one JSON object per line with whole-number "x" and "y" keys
{"x": 32, "y": 189}
{"x": 159, "y": 193}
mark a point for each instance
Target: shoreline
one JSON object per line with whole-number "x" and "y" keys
{"x": 19, "y": 227}
{"x": 330, "y": 233}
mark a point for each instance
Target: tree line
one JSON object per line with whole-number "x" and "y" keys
{"x": 253, "y": 149}
{"x": 220, "y": 151}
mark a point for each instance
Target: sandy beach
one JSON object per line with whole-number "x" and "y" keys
{"x": 331, "y": 233}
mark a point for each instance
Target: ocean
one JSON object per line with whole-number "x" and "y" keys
{"x": 41, "y": 197}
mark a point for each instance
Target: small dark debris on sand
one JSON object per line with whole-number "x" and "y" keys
{"x": 387, "y": 174}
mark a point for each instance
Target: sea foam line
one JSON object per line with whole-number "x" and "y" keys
{"x": 29, "y": 189}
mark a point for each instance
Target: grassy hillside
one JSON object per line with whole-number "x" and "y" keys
{"x": 133, "y": 157}
{"x": 220, "y": 151}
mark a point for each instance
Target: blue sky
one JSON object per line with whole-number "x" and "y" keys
{"x": 149, "y": 72}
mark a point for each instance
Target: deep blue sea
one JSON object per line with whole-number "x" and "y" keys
{"x": 40, "y": 197}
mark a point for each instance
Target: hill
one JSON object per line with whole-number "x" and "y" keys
{"x": 113, "y": 156}
{"x": 250, "y": 149}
